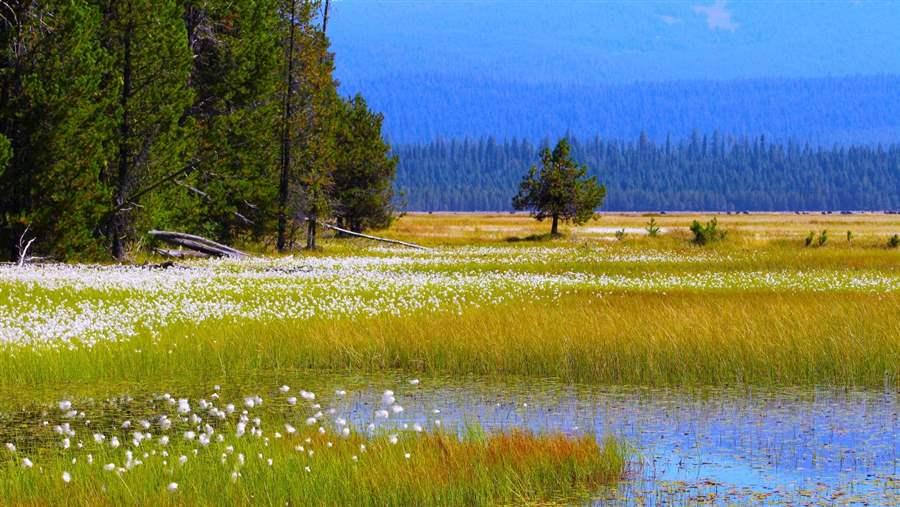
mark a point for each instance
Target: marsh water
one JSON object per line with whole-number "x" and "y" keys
{"x": 741, "y": 445}
{"x": 811, "y": 446}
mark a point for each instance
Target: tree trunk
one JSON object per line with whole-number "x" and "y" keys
{"x": 554, "y": 229}
{"x": 325, "y": 17}
{"x": 119, "y": 225}
{"x": 286, "y": 138}
{"x": 311, "y": 233}
{"x": 368, "y": 236}
{"x": 198, "y": 244}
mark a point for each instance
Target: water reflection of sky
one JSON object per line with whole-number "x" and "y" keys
{"x": 814, "y": 446}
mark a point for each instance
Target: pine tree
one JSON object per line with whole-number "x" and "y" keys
{"x": 308, "y": 122}
{"x": 121, "y": 115}
{"x": 5, "y": 153}
{"x": 235, "y": 78}
{"x": 364, "y": 174}
{"x": 561, "y": 190}
{"x": 151, "y": 66}
{"x": 52, "y": 110}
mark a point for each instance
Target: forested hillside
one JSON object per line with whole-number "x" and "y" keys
{"x": 701, "y": 172}
{"x": 821, "y": 111}
{"x": 822, "y": 72}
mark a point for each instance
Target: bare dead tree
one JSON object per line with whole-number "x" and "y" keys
{"x": 373, "y": 238}
{"x": 23, "y": 246}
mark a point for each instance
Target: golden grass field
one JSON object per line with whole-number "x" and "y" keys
{"x": 488, "y": 227}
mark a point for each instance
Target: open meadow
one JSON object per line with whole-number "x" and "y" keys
{"x": 497, "y": 366}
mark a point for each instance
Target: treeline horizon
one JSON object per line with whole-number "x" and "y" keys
{"x": 215, "y": 117}
{"x": 701, "y": 172}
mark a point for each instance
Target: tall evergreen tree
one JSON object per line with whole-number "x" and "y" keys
{"x": 121, "y": 115}
{"x": 561, "y": 190}
{"x": 5, "y": 153}
{"x": 309, "y": 108}
{"x": 151, "y": 66}
{"x": 363, "y": 190}
{"x": 52, "y": 109}
{"x": 235, "y": 78}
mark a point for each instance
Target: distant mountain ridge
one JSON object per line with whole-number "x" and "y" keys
{"x": 821, "y": 111}
{"x": 462, "y": 84}
{"x": 818, "y": 71}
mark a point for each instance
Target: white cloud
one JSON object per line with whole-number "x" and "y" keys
{"x": 669, "y": 20}
{"x": 718, "y": 17}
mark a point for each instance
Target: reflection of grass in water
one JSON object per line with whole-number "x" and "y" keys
{"x": 695, "y": 338}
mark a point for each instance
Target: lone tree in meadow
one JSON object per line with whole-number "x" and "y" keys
{"x": 561, "y": 190}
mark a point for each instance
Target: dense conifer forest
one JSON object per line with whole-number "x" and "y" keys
{"x": 213, "y": 117}
{"x": 701, "y": 172}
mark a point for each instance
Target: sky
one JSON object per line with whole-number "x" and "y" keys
{"x": 613, "y": 41}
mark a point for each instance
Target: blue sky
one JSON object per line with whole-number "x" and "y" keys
{"x": 593, "y": 41}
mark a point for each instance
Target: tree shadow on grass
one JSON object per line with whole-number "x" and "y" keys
{"x": 533, "y": 238}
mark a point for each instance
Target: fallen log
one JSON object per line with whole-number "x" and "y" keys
{"x": 198, "y": 244}
{"x": 374, "y": 238}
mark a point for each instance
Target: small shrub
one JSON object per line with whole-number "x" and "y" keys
{"x": 894, "y": 241}
{"x": 709, "y": 233}
{"x": 822, "y": 239}
{"x": 809, "y": 239}
{"x": 620, "y": 234}
{"x": 849, "y": 236}
{"x": 652, "y": 228}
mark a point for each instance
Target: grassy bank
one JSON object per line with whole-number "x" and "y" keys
{"x": 682, "y": 337}
{"x": 869, "y": 229}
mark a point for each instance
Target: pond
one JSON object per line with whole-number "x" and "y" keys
{"x": 723, "y": 446}
{"x": 717, "y": 445}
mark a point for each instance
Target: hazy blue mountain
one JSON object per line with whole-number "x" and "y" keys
{"x": 822, "y": 111}
{"x": 532, "y": 69}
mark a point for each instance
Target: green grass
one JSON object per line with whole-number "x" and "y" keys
{"x": 650, "y": 313}
{"x": 685, "y": 337}
{"x": 421, "y": 469}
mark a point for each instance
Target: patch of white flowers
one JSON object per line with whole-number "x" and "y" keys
{"x": 206, "y": 426}
{"x": 58, "y": 305}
